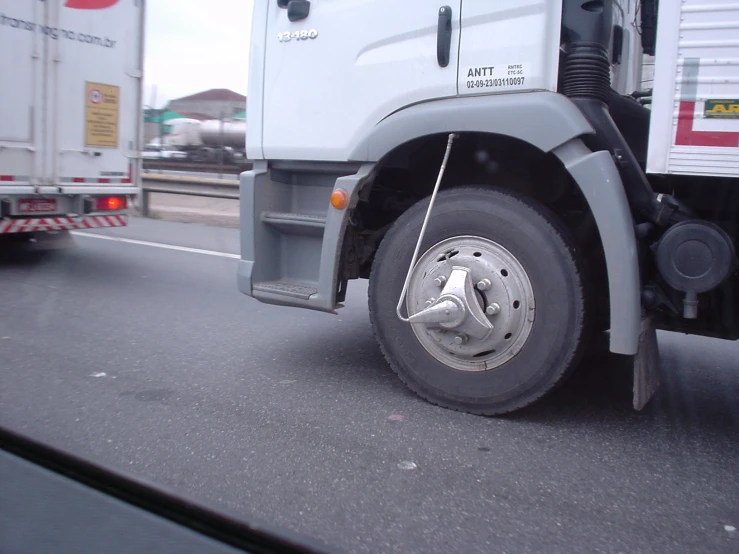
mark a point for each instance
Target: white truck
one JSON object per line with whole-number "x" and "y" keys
{"x": 70, "y": 114}
{"x": 495, "y": 171}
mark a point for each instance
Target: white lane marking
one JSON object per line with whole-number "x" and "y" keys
{"x": 158, "y": 245}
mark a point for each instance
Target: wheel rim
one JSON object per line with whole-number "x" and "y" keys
{"x": 470, "y": 303}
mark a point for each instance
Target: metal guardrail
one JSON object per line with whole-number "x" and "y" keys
{"x": 196, "y": 167}
{"x": 188, "y": 186}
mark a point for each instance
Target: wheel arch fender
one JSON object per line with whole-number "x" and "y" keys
{"x": 598, "y": 178}
{"x": 544, "y": 119}
{"x": 551, "y": 123}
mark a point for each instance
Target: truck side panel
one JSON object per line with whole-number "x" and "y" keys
{"x": 695, "y": 122}
{"x": 518, "y": 59}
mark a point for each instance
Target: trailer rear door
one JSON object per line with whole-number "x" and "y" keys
{"x": 95, "y": 100}
{"x": 22, "y": 60}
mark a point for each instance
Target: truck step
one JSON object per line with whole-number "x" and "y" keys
{"x": 296, "y": 224}
{"x": 284, "y": 288}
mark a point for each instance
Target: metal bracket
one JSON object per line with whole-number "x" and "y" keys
{"x": 412, "y": 266}
{"x": 456, "y": 308}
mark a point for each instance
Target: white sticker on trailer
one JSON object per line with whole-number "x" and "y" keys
{"x": 493, "y": 77}
{"x": 63, "y": 33}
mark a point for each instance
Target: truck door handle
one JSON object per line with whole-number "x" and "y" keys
{"x": 444, "y": 36}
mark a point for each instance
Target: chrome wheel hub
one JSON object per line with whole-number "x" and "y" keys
{"x": 470, "y": 303}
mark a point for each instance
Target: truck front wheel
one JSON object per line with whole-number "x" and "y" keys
{"x": 496, "y": 301}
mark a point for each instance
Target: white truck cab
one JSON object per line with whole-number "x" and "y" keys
{"x": 501, "y": 177}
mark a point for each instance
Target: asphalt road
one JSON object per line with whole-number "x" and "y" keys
{"x": 148, "y": 360}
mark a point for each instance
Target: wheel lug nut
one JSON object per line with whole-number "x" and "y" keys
{"x": 440, "y": 281}
{"x": 461, "y": 339}
{"x": 484, "y": 284}
{"x": 493, "y": 309}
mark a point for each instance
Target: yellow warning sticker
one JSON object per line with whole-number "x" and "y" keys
{"x": 721, "y": 109}
{"x": 101, "y": 115}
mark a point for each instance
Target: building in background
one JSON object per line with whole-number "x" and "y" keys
{"x": 217, "y": 103}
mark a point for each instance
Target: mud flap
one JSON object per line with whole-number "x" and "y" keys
{"x": 646, "y": 365}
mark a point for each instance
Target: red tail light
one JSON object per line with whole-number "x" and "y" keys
{"x": 110, "y": 203}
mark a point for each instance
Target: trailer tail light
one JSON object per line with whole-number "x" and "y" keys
{"x": 110, "y": 203}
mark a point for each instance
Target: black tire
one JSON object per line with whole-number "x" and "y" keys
{"x": 535, "y": 237}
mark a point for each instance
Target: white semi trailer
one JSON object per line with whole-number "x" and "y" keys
{"x": 70, "y": 114}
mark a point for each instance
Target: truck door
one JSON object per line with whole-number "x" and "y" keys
{"x": 350, "y": 64}
{"x": 509, "y": 46}
{"x": 22, "y": 61}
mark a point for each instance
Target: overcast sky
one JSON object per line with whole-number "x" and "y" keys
{"x": 195, "y": 45}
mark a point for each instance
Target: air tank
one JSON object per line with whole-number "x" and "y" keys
{"x": 228, "y": 133}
